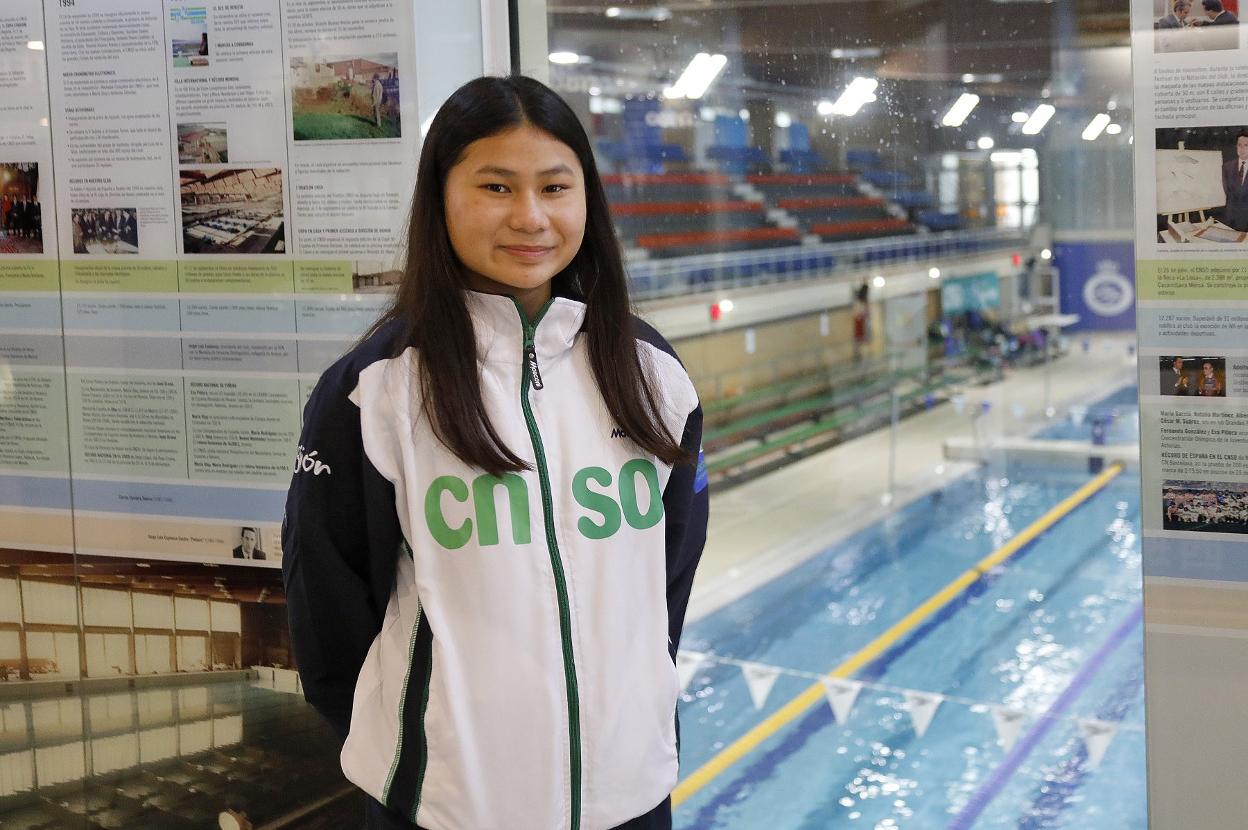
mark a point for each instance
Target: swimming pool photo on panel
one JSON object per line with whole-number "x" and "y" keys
{"x": 1048, "y": 645}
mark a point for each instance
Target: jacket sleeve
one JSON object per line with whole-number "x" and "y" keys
{"x": 686, "y": 501}
{"x": 340, "y": 537}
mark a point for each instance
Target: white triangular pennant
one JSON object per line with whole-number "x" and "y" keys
{"x": 922, "y": 707}
{"x": 687, "y": 665}
{"x": 759, "y": 679}
{"x": 1077, "y": 413}
{"x": 1009, "y": 725}
{"x": 1097, "y": 736}
{"x": 841, "y": 696}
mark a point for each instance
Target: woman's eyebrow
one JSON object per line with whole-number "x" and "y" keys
{"x": 503, "y": 171}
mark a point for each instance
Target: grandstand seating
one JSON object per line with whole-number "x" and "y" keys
{"x": 682, "y": 214}
{"x": 690, "y": 213}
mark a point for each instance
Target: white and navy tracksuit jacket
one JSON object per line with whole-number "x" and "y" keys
{"x": 497, "y": 652}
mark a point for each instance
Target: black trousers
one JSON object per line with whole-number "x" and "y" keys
{"x": 380, "y": 817}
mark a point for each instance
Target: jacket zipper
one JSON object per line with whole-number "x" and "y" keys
{"x": 531, "y": 375}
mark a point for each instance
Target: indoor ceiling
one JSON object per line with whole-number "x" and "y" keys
{"x": 811, "y": 45}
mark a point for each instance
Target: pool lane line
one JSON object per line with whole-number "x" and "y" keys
{"x": 1001, "y": 776}
{"x": 739, "y": 748}
{"x": 1058, "y": 787}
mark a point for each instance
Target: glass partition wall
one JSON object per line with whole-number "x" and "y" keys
{"x": 892, "y": 244}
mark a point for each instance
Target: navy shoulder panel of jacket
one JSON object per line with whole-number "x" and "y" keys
{"x": 686, "y": 504}
{"x": 340, "y": 538}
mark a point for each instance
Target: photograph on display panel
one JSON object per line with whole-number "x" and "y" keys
{"x": 1194, "y": 25}
{"x": 375, "y": 277}
{"x": 233, "y": 211}
{"x": 105, "y": 230}
{"x": 141, "y": 617}
{"x": 188, "y": 35}
{"x": 345, "y": 97}
{"x": 202, "y": 144}
{"x": 1202, "y": 376}
{"x": 1205, "y": 506}
{"x": 21, "y": 215}
{"x": 249, "y": 544}
{"x": 1202, "y": 186}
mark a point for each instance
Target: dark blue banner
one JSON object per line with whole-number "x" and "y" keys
{"x": 1097, "y": 283}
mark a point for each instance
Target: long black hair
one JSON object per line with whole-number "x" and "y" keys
{"x": 430, "y": 309}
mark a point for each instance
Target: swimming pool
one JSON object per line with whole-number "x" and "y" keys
{"x": 1120, "y": 410}
{"x": 1055, "y": 629}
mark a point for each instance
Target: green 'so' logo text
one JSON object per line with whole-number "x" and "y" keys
{"x": 453, "y": 509}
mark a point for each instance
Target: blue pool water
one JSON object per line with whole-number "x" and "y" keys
{"x": 1119, "y": 410}
{"x": 1034, "y": 633}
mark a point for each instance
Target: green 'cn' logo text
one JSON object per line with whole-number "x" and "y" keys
{"x": 590, "y": 488}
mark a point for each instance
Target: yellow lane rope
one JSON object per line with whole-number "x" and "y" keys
{"x": 815, "y": 693}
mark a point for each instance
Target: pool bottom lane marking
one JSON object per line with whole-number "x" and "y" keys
{"x": 1001, "y": 776}
{"x": 816, "y": 692}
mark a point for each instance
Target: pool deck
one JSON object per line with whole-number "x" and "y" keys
{"x": 766, "y": 526}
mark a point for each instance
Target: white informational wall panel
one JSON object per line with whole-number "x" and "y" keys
{"x": 210, "y": 205}
{"x": 1192, "y": 279}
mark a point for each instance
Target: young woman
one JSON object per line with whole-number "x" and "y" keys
{"x": 499, "y": 502}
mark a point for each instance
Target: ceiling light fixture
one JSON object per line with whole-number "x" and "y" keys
{"x": 697, "y": 77}
{"x": 1039, "y": 118}
{"x": 860, "y": 91}
{"x": 854, "y": 54}
{"x": 960, "y": 109}
{"x": 1095, "y": 127}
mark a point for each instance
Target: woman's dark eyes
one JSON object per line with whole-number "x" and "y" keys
{"x": 550, "y": 188}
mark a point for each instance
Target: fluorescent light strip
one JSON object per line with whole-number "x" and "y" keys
{"x": 860, "y": 91}
{"x": 1095, "y": 127}
{"x": 697, "y": 77}
{"x": 960, "y": 110}
{"x": 1039, "y": 117}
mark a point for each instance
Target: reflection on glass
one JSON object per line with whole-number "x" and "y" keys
{"x": 907, "y": 185}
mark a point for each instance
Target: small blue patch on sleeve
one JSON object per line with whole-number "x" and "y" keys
{"x": 701, "y": 476}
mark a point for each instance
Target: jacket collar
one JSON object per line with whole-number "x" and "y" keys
{"x": 499, "y": 326}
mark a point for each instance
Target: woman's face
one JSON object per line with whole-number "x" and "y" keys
{"x": 515, "y": 211}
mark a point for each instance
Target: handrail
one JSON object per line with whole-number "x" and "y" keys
{"x": 830, "y": 400}
{"x": 656, "y": 278}
{"x": 803, "y": 432}
{"x": 826, "y": 372}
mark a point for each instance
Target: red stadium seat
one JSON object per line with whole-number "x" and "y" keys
{"x": 668, "y": 240}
